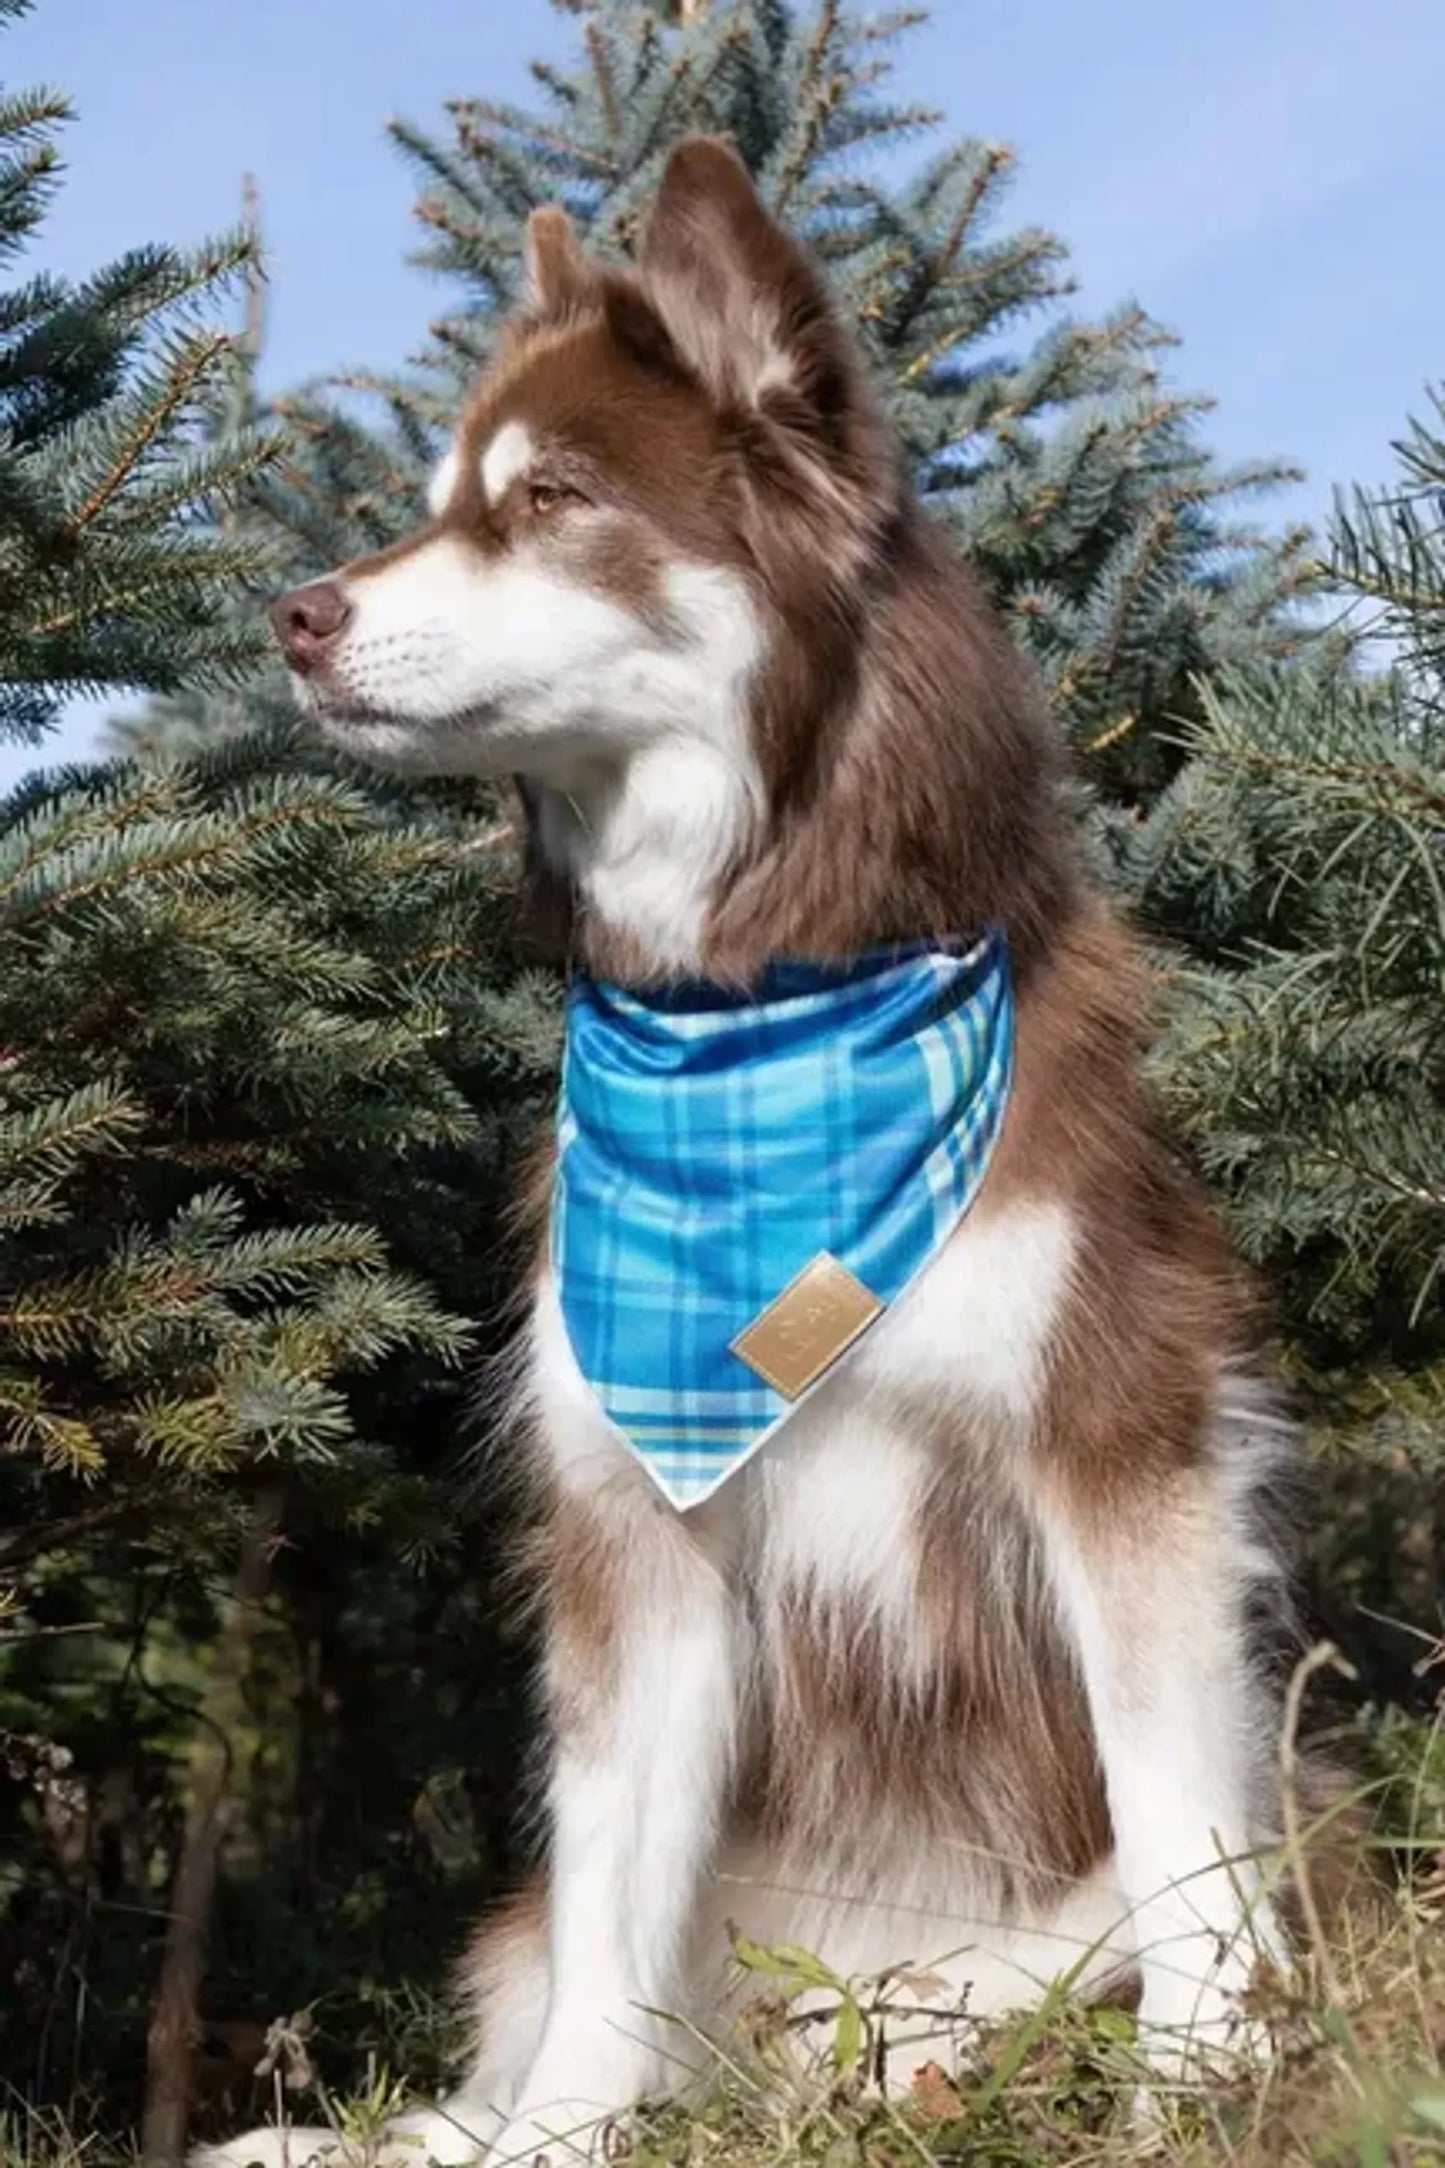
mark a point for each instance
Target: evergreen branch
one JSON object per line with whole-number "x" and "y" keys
{"x": 821, "y": 95}
{"x": 602, "y": 78}
{"x": 680, "y": 77}
{"x": 997, "y": 159}
{"x": 1363, "y": 776}
{"x": 186, "y": 376}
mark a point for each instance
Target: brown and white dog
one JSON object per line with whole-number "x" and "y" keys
{"x": 962, "y": 1668}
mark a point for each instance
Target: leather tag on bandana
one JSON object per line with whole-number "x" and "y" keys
{"x": 806, "y": 1328}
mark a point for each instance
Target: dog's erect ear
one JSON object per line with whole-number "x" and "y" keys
{"x": 741, "y": 300}
{"x": 559, "y": 276}
{"x": 562, "y": 281}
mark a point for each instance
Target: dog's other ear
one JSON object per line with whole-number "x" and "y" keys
{"x": 559, "y": 277}
{"x": 740, "y": 298}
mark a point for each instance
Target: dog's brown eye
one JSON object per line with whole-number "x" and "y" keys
{"x": 546, "y": 496}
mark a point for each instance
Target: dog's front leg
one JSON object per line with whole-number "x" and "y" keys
{"x": 642, "y": 1685}
{"x": 1153, "y": 1599}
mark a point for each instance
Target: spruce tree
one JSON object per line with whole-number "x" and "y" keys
{"x": 151, "y": 927}
{"x": 1297, "y": 863}
{"x": 115, "y": 452}
{"x": 261, "y": 1076}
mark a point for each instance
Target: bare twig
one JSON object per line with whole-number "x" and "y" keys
{"x": 175, "y": 2015}
{"x": 254, "y": 326}
{"x": 1323, "y": 1657}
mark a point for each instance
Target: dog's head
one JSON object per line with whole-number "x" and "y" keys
{"x": 659, "y": 468}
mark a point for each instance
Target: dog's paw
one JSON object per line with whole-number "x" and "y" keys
{"x": 450, "y": 2136}
{"x": 562, "y": 2134}
{"x": 445, "y": 2137}
{"x": 1200, "y": 2028}
{"x": 274, "y": 2146}
{"x": 1197, "y": 2017}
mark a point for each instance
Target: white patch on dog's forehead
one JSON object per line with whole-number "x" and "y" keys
{"x": 443, "y": 482}
{"x": 508, "y": 455}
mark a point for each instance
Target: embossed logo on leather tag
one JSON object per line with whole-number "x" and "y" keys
{"x": 807, "y": 1327}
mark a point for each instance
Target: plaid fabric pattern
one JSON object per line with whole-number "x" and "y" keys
{"x": 710, "y": 1146}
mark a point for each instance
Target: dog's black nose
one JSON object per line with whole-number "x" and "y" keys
{"x": 309, "y": 620}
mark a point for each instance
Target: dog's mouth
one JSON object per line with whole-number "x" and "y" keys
{"x": 383, "y": 737}
{"x": 336, "y": 710}
{"x": 335, "y": 707}
{"x": 357, "y": 715}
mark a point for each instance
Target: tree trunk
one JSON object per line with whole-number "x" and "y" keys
{"x": 175, "y": 2026}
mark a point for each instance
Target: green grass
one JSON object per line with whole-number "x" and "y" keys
{"x": 1353, "y": 2071}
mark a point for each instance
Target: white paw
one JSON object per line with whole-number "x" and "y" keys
{"x": 450, "y": 2136}
{"x": 562, "y": 2134}
{"x": 1219, "y": 2043}
{"x": 1196, "y": 2026}
{"x": 287, "y": 2146}
{"x": 1193, "y": 2015}
{"x": 1191, "y": 2033}
{"x": 457, "y": 2132}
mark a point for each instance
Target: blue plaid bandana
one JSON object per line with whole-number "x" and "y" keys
{"x": 745, "y": 1184}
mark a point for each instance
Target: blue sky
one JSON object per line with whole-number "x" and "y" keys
{"x": 1262, "y": 174}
